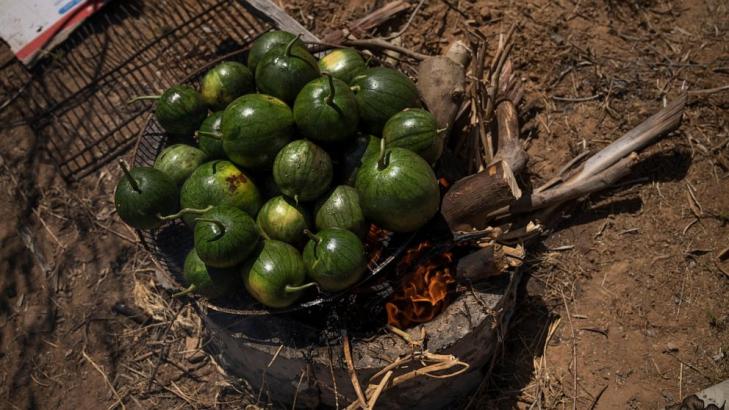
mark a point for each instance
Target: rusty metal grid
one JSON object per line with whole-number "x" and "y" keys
{"x": 75, "y": 99}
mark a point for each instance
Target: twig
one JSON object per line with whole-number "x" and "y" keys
{"x": 378, "y": 390}
{"x": 487, "y": 144}
{"x": 689, "y": 365}
{"x": 353, "y": 373}
{"x": 597, "y": 398}
{"x": 334, "y": 380}
{"x": 370, "y": 21}
{"x": 456, "y": 9}
{"x": 717, "y": 262}
{"x": 106, "y": 378}
{"x": 709, "y": 90}
{"x": 438, "y": 363}
{"x": 574, "y": 352}
{"x": 405, "y": 335}
{"x": 163, "y": 351}
{"x": 496, "y": 66}
{"x": 177, "y": 392}
{"x": 48, "y": 229}
{"x": 561, "y": 174}
{"x": 509, "y": 147}
{"x": 298, "y": 386}
{"x": 407, "y": 24}
{"x": 605, "y": 167}
{"x": 569, "y": 191}
{"x": 636, "y": 139}
{"x": 680, "y": 381}
{"x": 384, "y": 45}
{"x": 577, "y": 99}
{"x": 265, "y": 371}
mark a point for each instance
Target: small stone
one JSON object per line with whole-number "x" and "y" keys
{"x": 670, "y": 348}
{"x": 191, "y": 343}
{"x": 196, "y": 357}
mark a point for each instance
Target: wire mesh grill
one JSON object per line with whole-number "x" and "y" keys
{"x": 75, "y": 99}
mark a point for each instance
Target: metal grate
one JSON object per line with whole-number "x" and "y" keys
{"x": 75, "y": 99}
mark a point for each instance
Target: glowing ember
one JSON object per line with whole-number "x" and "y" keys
{"x": 376, "y": 241}
{"x": 425, "y": 290}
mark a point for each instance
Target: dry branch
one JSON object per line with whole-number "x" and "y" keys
{"x": 353, "y": 373}
{"x": 490, "y": 260}
{"x": 378, "y": 44}
{"x": 577, "y": 189}
{"x": 270, "y": 11}
{"x": 360, "y": 27}
{"x": 118, "y": 397}
{"x": 509, "y": 147}
{"x": 636, "y": 139}
{"x": 468, "y": 202}
{"x": 605, "y": 167}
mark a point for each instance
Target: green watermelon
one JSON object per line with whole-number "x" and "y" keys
{"x": 266, "y": 42}
{"x": 205, "y": 280}
{"x": 178, "y": 161}
{"x": 398, "y": 191}
{"x": 142, "y": 195}
{"x": 255, "y": 127}
{"x": 219, "y": 182}
{"x": 225, "y": 236}
{"x": 343, "y": 63}
{"x": 275, "y": 275}
{"x": 335, "y": 259}
{"x": 224, "y": 83}
{"x": 341, "y": 209}
{"x": 210, "y": 136}
{"x": 381, "y": 93}
{"x": 414, "y": 129}
{"x": 302, "y": 170}
{"x": 284, "y": 70}
{"x": 282, "y": 219}
{"x": 325, "y": 110}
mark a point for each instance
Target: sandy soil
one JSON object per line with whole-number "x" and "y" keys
{"x": 624, "y": 306}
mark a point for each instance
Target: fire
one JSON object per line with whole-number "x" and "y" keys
{"x": 424, "y": 293}
{"x": 375, "y": 243}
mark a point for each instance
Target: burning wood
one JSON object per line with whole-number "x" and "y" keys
{"x": 424, "y": 292}
{"x": 375, "y": 242}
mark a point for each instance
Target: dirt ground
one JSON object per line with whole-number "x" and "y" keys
{"x": 624, "y": 306}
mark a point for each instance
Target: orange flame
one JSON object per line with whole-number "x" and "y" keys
{"x": 425, "y": 290}
{"x": 375, "y": 243}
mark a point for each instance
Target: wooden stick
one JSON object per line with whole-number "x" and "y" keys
{"x": 352, "y": 373}
{"x": 481, "y": 263}
{"x": 568, "y": 192}
{"x": 363, "y": 25}
{"x": 636, "y": 139}
{"x": 270, "y": 11}
{"x": 378, "y": 390}
{"x": 106, "y": 378}
{"x": 509, "y": 148}
{"x": 605, "y": 167}
{"x": 384, "y": 45}
{"x": 470, "y": 199}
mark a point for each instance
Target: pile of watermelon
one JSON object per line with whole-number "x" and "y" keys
{"x": 295, "y": 158}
